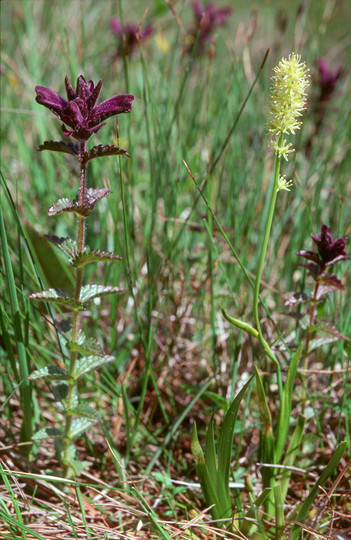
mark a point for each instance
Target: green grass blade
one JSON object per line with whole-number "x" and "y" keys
{"x": 279, "y": 513}
{"x": 210, "y": 452}
{"x": 267, "y": 439}
{"x": 14, "y": 502}
{"x": 328, "y": 471}
{"x": 26, "y": 387}
{"x": 285, "y": 408}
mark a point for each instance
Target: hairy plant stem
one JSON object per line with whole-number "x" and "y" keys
{"x": 266, "y": 236}
{"x": 75, "y": 321}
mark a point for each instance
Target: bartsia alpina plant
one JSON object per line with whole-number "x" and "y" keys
{"x": 329, "y": 252}
{"x": 82, "y": 114}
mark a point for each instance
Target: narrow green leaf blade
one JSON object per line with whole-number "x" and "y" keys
{"x": 210, "y": 453}
{"x": 285, "y": 408}
{"x": 225, "y": 441}
{"x": 267, "y": 439}
{"x": 290, "y": 455}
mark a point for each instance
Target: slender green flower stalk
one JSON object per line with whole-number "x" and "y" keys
{"x": 287, "y": 102}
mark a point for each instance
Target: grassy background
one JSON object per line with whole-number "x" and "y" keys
{"x": 166, "y": 331}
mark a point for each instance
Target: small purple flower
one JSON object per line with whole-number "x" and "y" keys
{"x": 330, "y": 251}
{"x": 80, "y": 111}
{"x": 327, "y": 80}
{"x": 210, "y": 17}
{"x": 129, "y": 35}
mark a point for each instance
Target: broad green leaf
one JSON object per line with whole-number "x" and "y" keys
{"x": 285, "y": 407}
{"x": 48, "y": 433}
{"x": 53, "y": 267}
{"x": 50, "y": 373}
{"x": 225, "y": 442}
{"x": 84, "y": 410}
{"x": 97, "y": 255}
{"x": 89, "y": 292}
{"x": 70, "y": 248}
{"x": 218, "y": 511}
{"x": 91, "y": 362}
{"x": 84, "y": 345}
{"x": 67, "y": 245}
{"x": 80, "y": 426}
{"x": 328, "y": 471}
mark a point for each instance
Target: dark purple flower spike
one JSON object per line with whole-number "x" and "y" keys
{"x": 80, "y": 112}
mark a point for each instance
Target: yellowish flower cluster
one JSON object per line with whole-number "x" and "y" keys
{"x": 287, "y": 101}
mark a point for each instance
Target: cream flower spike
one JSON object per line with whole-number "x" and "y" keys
{"x": 287, "y": 100}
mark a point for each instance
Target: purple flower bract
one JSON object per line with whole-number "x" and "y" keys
{"x": 80, "y": 111}
{"x": 330, "y": 251}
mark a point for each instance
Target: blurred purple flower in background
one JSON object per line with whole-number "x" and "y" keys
{"x": 328, "y": 80}
{"x": 80, "y": 111}
{"x": 128, "y": 35}
{"x": 207, "y": 18}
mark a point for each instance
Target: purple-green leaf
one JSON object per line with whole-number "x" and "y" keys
{"x": 296, "y": 298}
{"x": 60, "y": 146}
{"x": 96, "y": 255}
{"x": 92, "y": 196}
{"x": 103, "y": 150}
